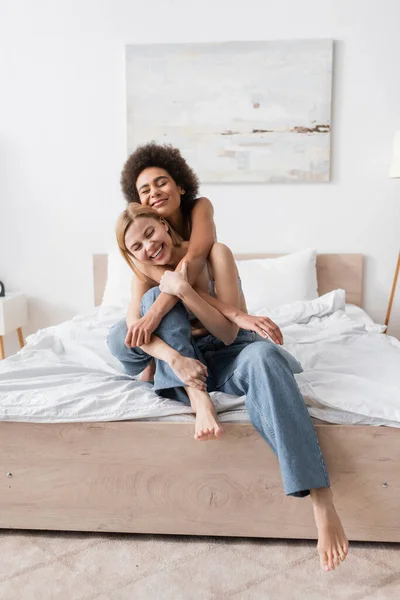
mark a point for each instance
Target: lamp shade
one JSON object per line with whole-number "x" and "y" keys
{"x": 395, "y": 166}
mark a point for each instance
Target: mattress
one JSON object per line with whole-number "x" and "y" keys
{"x": 66, "y": 373}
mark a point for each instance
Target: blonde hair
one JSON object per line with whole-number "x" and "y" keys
{"x": 125, "y": 220}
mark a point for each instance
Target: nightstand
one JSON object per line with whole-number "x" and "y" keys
{"x": 13, "y": 316}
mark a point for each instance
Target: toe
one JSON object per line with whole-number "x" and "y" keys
{"x": 324, "y": 561}
{"x": 331, "y": 564}
{"x": 336, "y": 559}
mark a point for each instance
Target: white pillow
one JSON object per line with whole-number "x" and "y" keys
{"x": 119, "y": 276}
{"x": 272, "y": 282}
{"x": 267, "y": 282}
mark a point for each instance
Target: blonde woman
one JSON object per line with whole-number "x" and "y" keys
{"x": 224, "y": 358}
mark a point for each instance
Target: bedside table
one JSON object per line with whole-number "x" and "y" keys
{"x": 13, "y": 316}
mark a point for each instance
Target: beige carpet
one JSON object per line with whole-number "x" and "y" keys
{"x": 73, "y": 566}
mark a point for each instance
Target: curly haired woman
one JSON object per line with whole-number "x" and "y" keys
{"x": 158, "y": 176}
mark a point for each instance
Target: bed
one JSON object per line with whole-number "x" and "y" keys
{"x": 146, "y": 476}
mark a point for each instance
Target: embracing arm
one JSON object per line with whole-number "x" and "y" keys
{"x": 261, "y": 325}
{"x": 202, "y": 238}
{"x": 226, "y": 281}
{"x": 201, "y": 241}
{"x": 214, "y": 322}
{"x": 226, "y": 305}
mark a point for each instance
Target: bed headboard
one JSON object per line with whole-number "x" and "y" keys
{"x": 333, "y": 271}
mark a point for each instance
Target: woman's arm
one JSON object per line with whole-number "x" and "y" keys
{"x": 261, "y": 325}
{"x": 201, "y": 241}
{"x": 227, "y": 303}
{"x": 192, "y": 372}
{"x": 226, "y": 283}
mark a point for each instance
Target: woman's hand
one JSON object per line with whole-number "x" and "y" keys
{"x": 261, "y": 325}
{"x": 174, "y": 282}
{"x": 140, "y": 332}
{"x": 191, "y": 371}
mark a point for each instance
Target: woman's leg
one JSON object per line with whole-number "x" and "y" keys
{"x": 333, "y": 545}
{"x": 148, "y": 373}
{"x": 207, "y": 425}
{"x": 134, "y": 360}
{"x": 277, "y": 410}
{"x": 175, "y": 330}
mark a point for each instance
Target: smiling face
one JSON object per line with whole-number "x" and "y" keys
{"x": 148, "y": 241}
{"x": 156, "y": 188}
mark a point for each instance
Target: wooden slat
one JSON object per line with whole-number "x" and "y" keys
{"x": 100, "y": 269}
{"x": 341, "y": 271}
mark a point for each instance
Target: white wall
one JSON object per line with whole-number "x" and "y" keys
{"x": 62, "y": 139}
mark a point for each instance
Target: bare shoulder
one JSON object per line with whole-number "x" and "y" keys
{"x": 203, "y": 203}
{"x": 221, "y": 252}
{"x": 221, "y": 261}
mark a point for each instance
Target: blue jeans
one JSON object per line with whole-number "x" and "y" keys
{"x": 251, "y": 366}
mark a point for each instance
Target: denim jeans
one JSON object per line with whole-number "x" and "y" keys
{"x": 251, "y": 366}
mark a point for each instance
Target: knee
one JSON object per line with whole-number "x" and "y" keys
{"x": 116, "y": 338}
{"x": 268, "y": 354}
{"x": 177, "y": 313}
{"x": 148, "y": 299}
{"x": 261, "y": 353}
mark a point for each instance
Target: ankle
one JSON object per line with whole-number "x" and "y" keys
{"x": 321, "y": 497}
{"x": 199, "y": 400}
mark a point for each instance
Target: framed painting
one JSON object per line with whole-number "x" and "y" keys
{"x": 239, "y": 111}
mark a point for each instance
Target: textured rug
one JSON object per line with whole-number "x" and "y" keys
{"x": 74, "y": 566}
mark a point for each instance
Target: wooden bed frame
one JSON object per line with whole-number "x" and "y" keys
{"x": 152, "y": 477}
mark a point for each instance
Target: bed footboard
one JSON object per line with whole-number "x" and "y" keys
{"x": 152, "y": 477}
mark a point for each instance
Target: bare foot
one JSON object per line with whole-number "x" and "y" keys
{"x": 333, "y": 545}
{"x": 207, "y": 426}
{"x": 148, "y": 373}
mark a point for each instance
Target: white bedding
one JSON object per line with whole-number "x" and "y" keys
{"x": 66, "y": 373}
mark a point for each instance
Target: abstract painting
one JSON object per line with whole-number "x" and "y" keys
{"x": 239, "y": 111}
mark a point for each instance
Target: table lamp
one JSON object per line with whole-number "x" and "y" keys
{"x": 395, "y": 173}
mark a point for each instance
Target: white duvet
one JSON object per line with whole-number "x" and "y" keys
{"x": 66, "y": 373}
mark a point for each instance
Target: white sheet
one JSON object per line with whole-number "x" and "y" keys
{"x": 66, "y": 373}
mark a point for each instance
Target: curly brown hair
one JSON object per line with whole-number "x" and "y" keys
{"x": 165, "y": 157}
